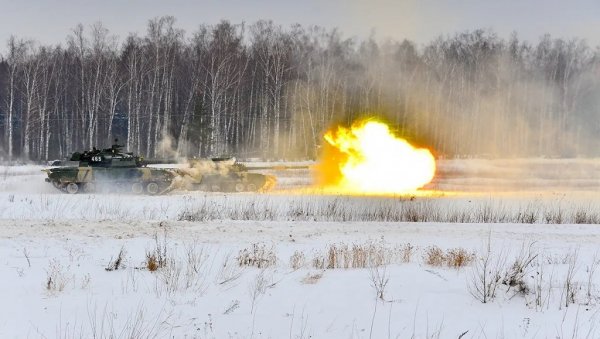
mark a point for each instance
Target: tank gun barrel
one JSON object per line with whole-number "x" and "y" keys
{"x": 276, "y": 167}
{"x": 161, "y": 161}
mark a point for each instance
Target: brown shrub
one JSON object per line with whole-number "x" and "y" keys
{"x": 459, "y": 257}
{"x": 434, "y": 256}
{"x": 151, "y": 262}
{"x": 332, "y": 257}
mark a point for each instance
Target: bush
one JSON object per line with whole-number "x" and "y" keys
{"x": 434, "y": 256}
{"x": 407, "y": 252}
{"x": 258, "y": 256}
{"x": 157, "y": 258}
{"x": 56, "y": 279}
{"x": 151, "y": 262}
{"x": 297, "y": 260}
{"x": 458, "y": 257}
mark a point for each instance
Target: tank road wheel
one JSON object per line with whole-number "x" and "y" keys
{"x": 89, "y": 187}
{"x": 215, "y": 188}
{"x": 72, "y": 188}
{"x": 240, "y": 187}
{"x": 252, "y": 188}
{"x": 152, "y": 188}
{"x": 137, "y": 188}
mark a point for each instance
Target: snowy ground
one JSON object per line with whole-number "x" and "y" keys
{"x": 284, "y": 265}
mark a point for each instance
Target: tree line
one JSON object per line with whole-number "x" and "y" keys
{"x": 265, "y": 91}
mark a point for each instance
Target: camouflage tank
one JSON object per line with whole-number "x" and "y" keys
{"x": 222, "y": 175}
{"x": 109, "y": 170}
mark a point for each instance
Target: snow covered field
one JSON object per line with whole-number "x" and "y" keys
{"x": 286, "y": 265}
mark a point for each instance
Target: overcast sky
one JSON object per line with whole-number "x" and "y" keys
{"x": 50, "y": 21}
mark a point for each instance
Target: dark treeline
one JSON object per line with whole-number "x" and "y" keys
{"x": 265, "y": 91}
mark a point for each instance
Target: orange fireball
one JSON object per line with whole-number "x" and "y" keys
{"x": 368, "y": 158}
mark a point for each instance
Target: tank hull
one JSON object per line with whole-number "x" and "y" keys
{"x": 98, "y": 179}
{"x": 237, "y": 182}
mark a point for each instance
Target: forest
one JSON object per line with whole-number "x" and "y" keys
{"x": 265, "y": 91}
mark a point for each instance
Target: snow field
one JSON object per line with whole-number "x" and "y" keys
{"x": 363, "y": 283}
{"x": 299, "y": 263}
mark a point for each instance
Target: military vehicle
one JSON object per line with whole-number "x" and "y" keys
{"x": 222, "y": 175}
{"x": 109, "y": 169}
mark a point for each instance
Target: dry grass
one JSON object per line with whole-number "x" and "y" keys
{"x": 308, "y": 207}
{"x": 229, "y": 271}
{"x": 434, "y": 256}
{"x": 486, "y": 274}
{"x": 374, "y": 254}
{"x": 56, "y": 277}
{"x": 318, "y": 261}
{"x": 515, "y": 275}
{"x": 354, "y": 256}
{"x": 459, "y": 257}
{"x": 161, "y": 248}
{"x": 570, "y": 286}
{"x": 85, "y": 281}
{"x": 585, "y": 216}
{"x": 312, "y": 278}
{"x": 235, "y": 304}
{"x": 180, "y": 271}
{"x": 590, "y": 273}
{"x": 109, "y": 322}
{"x": 383, "y": 209}
{"x": 542, "y": 285}
{"x": 527, "y": 274}
{"x": 157, "y": 257}
{"x": 118, "y": 262}
{"x": 379, "y": 280}
{"x": 407, "y": 252}
{"x": 151, "y": 262}
{"x": 257, "y": 287}
{"x": 454, "y": 257}
{"x": 259, "y": 256}
{"x": 554, "y": 216}
{"x": 297, "y": 260}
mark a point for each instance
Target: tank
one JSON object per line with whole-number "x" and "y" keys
{"x": 109, "y": 170}
{"x": 222, "y": 175}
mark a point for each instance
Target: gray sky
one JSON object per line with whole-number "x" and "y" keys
{"x": 50, "y": 21}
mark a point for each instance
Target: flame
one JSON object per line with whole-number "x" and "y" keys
{"x": 368, "y": 158}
